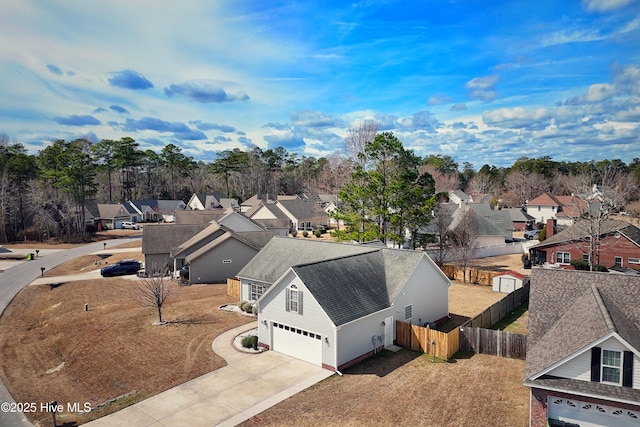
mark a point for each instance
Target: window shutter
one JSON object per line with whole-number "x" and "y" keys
{"x": 627, "y": 369}
{"x": 286, "y": 301}
{"x": 300, "y": 303}
{"x": 596, "y": 353}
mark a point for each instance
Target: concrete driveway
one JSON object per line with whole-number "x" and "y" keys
{"x": 248, "y": 385}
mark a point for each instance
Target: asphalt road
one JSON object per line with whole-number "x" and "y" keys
{"x": 16, "y": 278}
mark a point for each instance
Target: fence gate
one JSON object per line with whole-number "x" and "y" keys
{"x": 493, "y": 342}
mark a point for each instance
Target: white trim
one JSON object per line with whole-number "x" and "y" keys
{"x": 585, "y": 349}
{"x": 579, "y": 393}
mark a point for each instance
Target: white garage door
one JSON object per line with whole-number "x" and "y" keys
{"x": 298, "y": 343}
{"x": 583, "y": 414}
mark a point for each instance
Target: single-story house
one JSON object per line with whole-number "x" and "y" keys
{"x": 159, "y": 240}
{"x": 106, "y": 215}
{"x": 583, "y": 349}
{"x": 508, "y": 281}
{"x": 155, "y": 210}
{"x": 334, "y": 304}
{"x": 619, "y": 245}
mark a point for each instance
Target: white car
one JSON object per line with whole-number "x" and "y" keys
{"x": 531, "y": 234}
{"x": 130, "y": 225}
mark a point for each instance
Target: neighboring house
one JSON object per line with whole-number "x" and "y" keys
{"x": 199, "y": 217}
{"x": 267, "y": 198}
{"x": 508, "y": 281}
{"x": 155, "y": 210}
{"x": 269, "y": 211}
{"x": 106, "y": 215}
{"x": 565, "y": 209}
{"x": 202, "y": 201}
{"x": 459, "y": 197}
{"x": 334, "y": 304}
{"x": 583, "y": 349}
{"x": 217, "y": 253}
{"x": 159, "y": 240}
{"x": 303, "y": 214}
{"x": 521, "y": 219}
{"x": 619, "y": 245}
{"x": 490, "y": 227}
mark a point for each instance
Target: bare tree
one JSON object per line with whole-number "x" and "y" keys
{"x": 465, "y": 238}
{"x": 153, "y": 291}
{"x": 357, "y": 138}
{"x": 440, "y": 223}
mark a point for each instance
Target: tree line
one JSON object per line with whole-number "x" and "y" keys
{"x": 385, "y": 187}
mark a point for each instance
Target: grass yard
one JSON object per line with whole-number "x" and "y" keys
{"x": 51, "y": 349}
{"x": 407, "y": 389}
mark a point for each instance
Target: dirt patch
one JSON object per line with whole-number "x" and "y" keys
{"x": 51, "y": 349}
{"x": 406, "y": 388}
{"x": 88, "y": 263}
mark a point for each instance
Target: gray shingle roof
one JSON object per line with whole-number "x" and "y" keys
{"x": 304, "y": 210}
{"x": 255, "y": 239}
{"x": 163, "y": 238}
{"x": 580, "y": 230}
{"x": 569, "y": 310}
{"x": 519, "y": 215}
{"x": 199, "y": 217}
{"x": 348, "y": 281}
{"x": 283, "y": 252}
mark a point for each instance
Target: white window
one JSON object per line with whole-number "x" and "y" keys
{"x": 617, "y": 261}
{"x": 293, "y": 299}
{"x": 633, "y": 260}
{"x": 563, "y": 257}
{"x": 256, "y": 291}
{"x": 611, "y": 366}
{"x": 586, "y": 257}
{"x": 408, "y": 312}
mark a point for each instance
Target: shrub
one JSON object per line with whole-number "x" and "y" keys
{"x": 294, "y": 233}
{"x": 305, "y": 233}
{"x": 248, "y": 307}
{"x": 242, "y": 305}
{"x": 579, "y": 264}
{"x": 250, "y": 341}
{"x": 317, "y": 233}
{"x": 254, "y": 309}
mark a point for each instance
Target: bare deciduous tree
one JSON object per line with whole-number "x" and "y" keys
{"x": 153, "y": 291}
{"x": 465, "y": 238}
{"x": 357, "y": 138}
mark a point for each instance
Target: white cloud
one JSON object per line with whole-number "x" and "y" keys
{"x": 482, "y": 88}
{"x": 605, "y": 5}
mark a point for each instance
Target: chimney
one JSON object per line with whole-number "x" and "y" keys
{"x": 551, "y": 227}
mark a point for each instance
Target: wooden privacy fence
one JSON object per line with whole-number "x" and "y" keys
{"x": 233, "y": 288}
{"x": 493, "y": 342}
{"x": 474, "y": 275}
{"x": 435, "y": 343}
{"x": 500, "y": 309}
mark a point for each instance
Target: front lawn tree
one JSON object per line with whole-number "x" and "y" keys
{"x": 153, "y": 291}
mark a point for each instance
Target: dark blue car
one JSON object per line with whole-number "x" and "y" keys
{"x": 120, "y": 268}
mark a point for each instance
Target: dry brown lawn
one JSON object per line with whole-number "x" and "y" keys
{"x": 86, "y": 263}
{"x": 407, "y": 389}
{"x": 51, "y": 349}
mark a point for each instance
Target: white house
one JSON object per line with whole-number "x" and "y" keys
{"x": 583, "y": 349}
{"x": 334, "y": 304}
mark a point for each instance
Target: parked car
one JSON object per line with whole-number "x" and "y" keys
{"x": 130, "y": 225}
{"x": 532, "y": 234}
{"x": 120, "y": 268}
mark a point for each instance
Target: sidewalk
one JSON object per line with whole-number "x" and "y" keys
{"x": 248, "y": 385}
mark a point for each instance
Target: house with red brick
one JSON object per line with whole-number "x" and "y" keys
{"x": 583, "y": 349}
{"x": 619, "y": 245}
{"x": 564, "y": 209}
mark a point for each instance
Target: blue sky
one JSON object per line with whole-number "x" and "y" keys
{"x": 481, "y": 81}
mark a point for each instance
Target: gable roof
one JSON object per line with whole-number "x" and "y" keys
{"x": 283, "y": 252}
{"x": 159, "y": 206}
{"x": 208, "y": 233}
{"x": 163, "y": 238}
{"x": 580, "y": 231}
{"x": 569, "y": 311}
{"x": 112, "y": 210}
{"x": 497, "y": 218}
{"x": 519, "y": 215}
{"x": 254, "y": 239}
{"x": 303, "y": 210}
{"x": 199, "y": 217}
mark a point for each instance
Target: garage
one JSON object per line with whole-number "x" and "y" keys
{"x": 570, "y": 412}
{"x": 297, "y": 343}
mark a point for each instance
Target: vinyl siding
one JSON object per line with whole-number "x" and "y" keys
{"x": 210, "y": 268}
{"x": 313, "y": 318}
{"x": 356, "y": 338}
{"x": 579, "y": 368}
{"x": 428, "y": 291}
{"x": 237, "y": 223}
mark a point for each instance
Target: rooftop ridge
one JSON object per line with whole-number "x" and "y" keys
{"x": 603, "y": 308}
